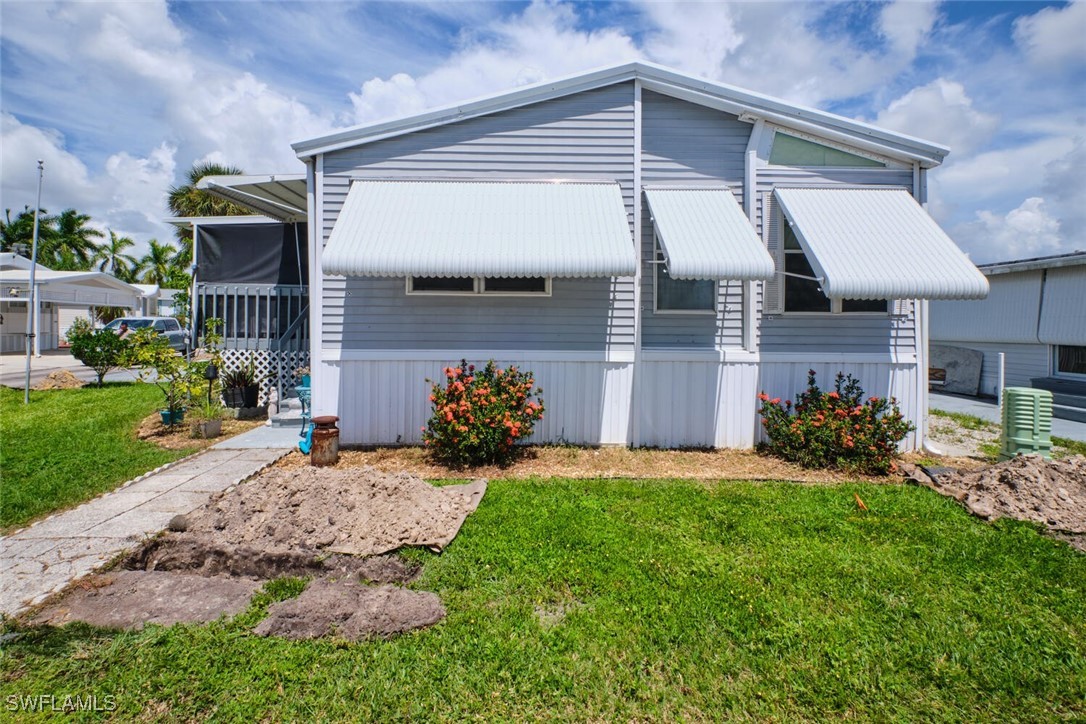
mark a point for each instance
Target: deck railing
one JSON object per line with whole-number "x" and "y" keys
{"x": 256, "y": 317}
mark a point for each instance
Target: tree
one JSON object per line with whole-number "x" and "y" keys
{"x": 20, "y": 230}
{"x": 74, "y": 246}
{"x": 159, "y": 265}
{"x": 110, "y": 257}
{"x": 187, "y": 200}
{"x": 100, "y": 349}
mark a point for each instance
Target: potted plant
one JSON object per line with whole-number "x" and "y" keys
{"x": 207, "y": 422}
{"x": 240, "y": 387}
{"x": 302, "y": 373}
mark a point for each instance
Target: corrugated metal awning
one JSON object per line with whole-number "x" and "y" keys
{"x": 481, "y": 228}
{"x": 1063, "y": 313}
{"x": 878, "y": 243}
{"x": 705, "y": 235}
{"x": 280, "y": 196}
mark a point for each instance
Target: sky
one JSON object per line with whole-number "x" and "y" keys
{"x": 120, "y": 99}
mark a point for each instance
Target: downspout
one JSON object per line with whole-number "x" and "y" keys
{"x": 638, "y": 232}
{"x": 192, "y": 294}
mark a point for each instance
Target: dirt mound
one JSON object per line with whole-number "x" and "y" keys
{"x": 351, "y": 611}
{"x": 357, "y": 512}
{"x": 132, "y": 599}
{"x": 197, "y": 555}
{"x": 1028, "y": 487}
{"x": 59, "y": 380}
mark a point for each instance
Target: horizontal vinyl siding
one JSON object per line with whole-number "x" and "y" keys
{"x": 588, "y": 135}
{"x": 1009, "y": 314}
{"x": 842, "y": 333}
{"x": 686, "y": 143}
{"x": 580, "y": 314}
{"x": 1063, "y": 317}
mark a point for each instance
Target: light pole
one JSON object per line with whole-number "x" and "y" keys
{"x": 32, "y": 301}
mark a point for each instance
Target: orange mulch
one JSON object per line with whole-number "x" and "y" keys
{"x": 610, "y": 462}
{"x": 179, "y": 437}
{"x": 59, "y": 380}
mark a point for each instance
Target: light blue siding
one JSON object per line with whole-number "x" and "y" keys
{"x": 686, "y": 143}
{"x": 1009, "y": 314}
{"x": 587, "y": 135}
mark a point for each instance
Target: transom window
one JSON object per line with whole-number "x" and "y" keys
{"x": 804, "y": 294}
{"x": 682, "y": 296}
{"x": 532, "y": 286}
{"x": 791, "y": 151}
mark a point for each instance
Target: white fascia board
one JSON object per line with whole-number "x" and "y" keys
{"x": 656, "y": 78}
{"x": 186, "y": 222}
{"x": 1011, "y": 267}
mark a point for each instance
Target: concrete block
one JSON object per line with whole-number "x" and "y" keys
{"x": 960, "y": 368}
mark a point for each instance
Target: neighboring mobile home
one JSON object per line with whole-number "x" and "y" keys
{"x": 1036, "y": 316}
{"x": 655, "y": 248}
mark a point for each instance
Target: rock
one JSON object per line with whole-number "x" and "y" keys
{"x": 178, "y": 524}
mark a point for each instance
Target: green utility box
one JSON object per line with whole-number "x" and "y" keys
{"x": 1027, "y": 422}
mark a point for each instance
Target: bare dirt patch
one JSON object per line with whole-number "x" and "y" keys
{"x": 59, "y": 380}
{"x": 132, "y": 599}
{"x": 179, "y": 437}
{"x": 335, "y": 527}
{"x": 358, "y": 512}
{"x": 1027, "y": 487}
{"x": 351, "y": 611}
{"x": 578, "y": 462}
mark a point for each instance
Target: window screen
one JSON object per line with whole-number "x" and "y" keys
{"x": 791, "y": 151}
{"x": 515, "y": 285}
{"x": 442, "y": 284}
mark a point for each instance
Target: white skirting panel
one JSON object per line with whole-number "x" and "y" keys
{"x": 885, "y": 379}
{"x": 698, "y": 403}
{"x": 387, "y": 401}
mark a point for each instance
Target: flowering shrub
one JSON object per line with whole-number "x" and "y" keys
{"x": 835, "y": 429}
{"x": 479, "y": 415}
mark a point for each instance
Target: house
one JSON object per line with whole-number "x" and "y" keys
{"x": 654, "y": 247}
{"x": 61, "y": 296}
{"x": 252, "y": 272}
{"x": 1035, "y": 316}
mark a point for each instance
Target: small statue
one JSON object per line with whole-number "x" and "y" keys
{"x": 273, "y": 402}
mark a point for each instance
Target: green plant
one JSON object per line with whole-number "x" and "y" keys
{"x": 100, "y": 349}
{"x": 244, "y": 376}
{"x": 478, "y": 416}
{"x": 835, "y": 429}
{"x": 179, "y": 379}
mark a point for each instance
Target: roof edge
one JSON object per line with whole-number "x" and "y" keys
{"x": 743, "y": 101}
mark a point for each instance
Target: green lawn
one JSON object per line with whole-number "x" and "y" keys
{"x": 680, "y": 600}
{"x": 68, "y": 446}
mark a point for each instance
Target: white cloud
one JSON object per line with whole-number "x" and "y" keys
{"x": 66, "y": 179}
{"x": 542, "y": 42}
{"x": 139, "y": 188}
{"x": 940, "y": 111}
{"x": 1065, "y": 187}
{"x": 906, "y": 24}
{"x": 1026, "y": 231}
{"x": 1054, "y": 38}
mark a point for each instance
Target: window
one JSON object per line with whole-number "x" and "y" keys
{"x": 505, "y": 286}
{"x": 1070, "y": 360}
{"x": 687, "y": 296}
{"x": 791, "y": 151}
{"x": 805, "y": 294}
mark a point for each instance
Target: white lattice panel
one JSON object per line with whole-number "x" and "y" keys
{"x": 272, "y": 368}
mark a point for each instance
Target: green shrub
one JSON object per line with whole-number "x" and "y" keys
{"x": 478, "y": 416}
{"x": 837, "y": 429}
{"x": 100, "y": 349}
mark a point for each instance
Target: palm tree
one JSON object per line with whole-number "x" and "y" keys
{"x": 75, "y": 245}
{"x": 187, "y": 200}
{"x": 158, "y": 266}
{"x": 20, "y": 230}
{"x": 110, "y": 257}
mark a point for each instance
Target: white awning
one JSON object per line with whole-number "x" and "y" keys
{"x": 481, "y": 228}
{"x": 279, "y": 196}
{"x": 705, "y": 235}
{"x": 1063, "y": 311}
{"x": 878, "y": 243}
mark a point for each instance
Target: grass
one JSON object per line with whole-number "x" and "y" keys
{"x": 68, "y": 446}
{"x": 991, "y": 450}
{"x": 969, "y": 422}
{"x": 1073, "y": 447}
{"x": 623, "y": 600}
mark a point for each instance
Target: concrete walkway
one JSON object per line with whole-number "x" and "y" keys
{"x": 987, "y": 409}
{"x": 43, "y": 558}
